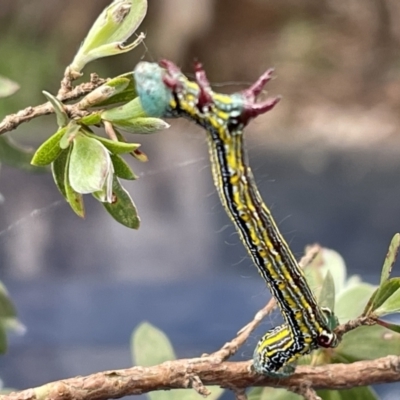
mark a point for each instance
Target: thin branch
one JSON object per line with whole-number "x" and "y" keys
{"x": 306, "y": 391}
{"x": 353, "y": 324}
{"x": 173, "y": 375}
{"x": 240, "y": 394}
{"x": 230, "y": 348}
{"x": 12, "y": 121}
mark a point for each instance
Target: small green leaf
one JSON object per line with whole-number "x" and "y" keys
{"x": 91, "y": 119}
{"x": 59, "y": 171}
{"x": 74, "y": 199}
{"x": 132, "y": 109}
{"x": 381, "y": 294}
{"x": 358, "y": 393}
{"x": 128, "y": 94}
{"x": 62, "y": 117}
{"x": 113, "y": 146}
{"x": 7, "y": 87}
{"x": 121, "y": 168}
{"x": 390, "y": 306}
{"x": 104, "y": 92}
{"x": 367, "y": 343}
{"x": 89, "y": 165}
{"x": 15, "y": 156}
{"x": 388, "y": 325}
{"x": 390, "y": 258}
{"x": 49, "y": 150}
{"x": 122, "y": 208}
{"x": 72, "y": 130}
{"x": 138, "y": 154}
{"x": 327, "y": 294}
{"x": 141, "y": 125}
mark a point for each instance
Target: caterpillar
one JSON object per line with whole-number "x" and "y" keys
{"x": 164, "y": 91}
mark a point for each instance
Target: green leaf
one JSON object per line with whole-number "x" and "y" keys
{"x": 327, "y": 294}
{"x": 49, "y": 150}
{"x": 15, "y": 156}
{"x": 70, "y": 133}
{"x": 351, "y": 301}
{"x": 141, "y": 125}
{"x": 62, "y": 117}
{"x": 122, "y": 208}
{"x": 59, "y": 171}
{"x": 113, "y": 146}
{"x": 391, "y": 305}
{"x": 74, "y": 199}
{"x": 121, "y": 168}
{"x": 384, "y": 291}
{"x": 390, "y": 258}
{"x": 110, "y": 31}
{"x": 89, "y": 165}
{"x": 367, "y": 343}
{"x": 128, "y": 94}
{"x": 132, "y": 109}
{"x": 104, "y": 92}
{"x": 91, "y": 119}
{"x": 358, "y": 393}
{"x": 7, "y": 87}
{"x": 388, "y": 325}
{"x": 138, "y": 154}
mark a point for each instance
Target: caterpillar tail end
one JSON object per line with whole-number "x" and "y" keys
{"x": 259, "y": 367}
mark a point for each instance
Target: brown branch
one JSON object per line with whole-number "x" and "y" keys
{"x": 353, "y": 324}
{"x": 173, "y": 375}
{"x": 12, "y": 121}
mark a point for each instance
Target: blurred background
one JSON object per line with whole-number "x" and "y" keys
{"x": 327, "y": 162}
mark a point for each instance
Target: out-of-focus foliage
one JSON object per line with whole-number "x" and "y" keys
{"x": 364, "y": 343}
{"x": 150, "y": 346}
{"x": 8, "y": 318}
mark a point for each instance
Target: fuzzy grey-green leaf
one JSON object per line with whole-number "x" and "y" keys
{"x": 141, "y": 125}
{"x": 109, "y": 32}
{"x": 89, "y": 165}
